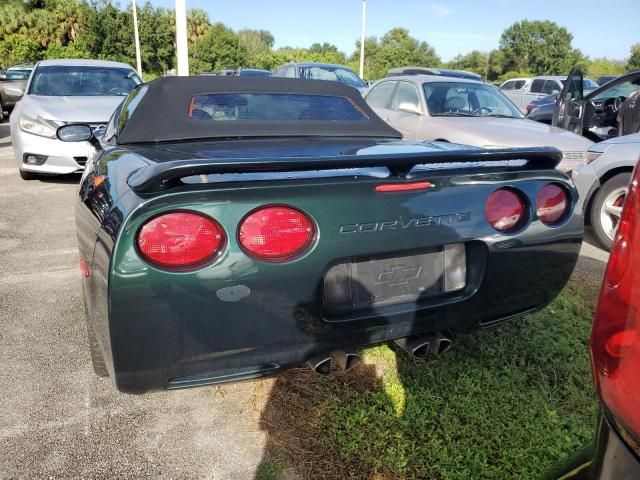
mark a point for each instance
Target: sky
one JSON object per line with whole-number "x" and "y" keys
{"x": 600, "y": 29}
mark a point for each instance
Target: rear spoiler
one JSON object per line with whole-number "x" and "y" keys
{"x": 161, "y": 176}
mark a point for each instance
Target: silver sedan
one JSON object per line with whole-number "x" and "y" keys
{"x": 468, "y": 112}
{"x": 60, "y": 92}
{"x": 603, "y": 181}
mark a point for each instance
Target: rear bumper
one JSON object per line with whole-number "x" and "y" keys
{"x": 609, "y": 458}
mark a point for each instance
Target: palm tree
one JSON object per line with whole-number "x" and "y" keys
{"x": 11, "y": 18}
{"x": 41, "y": 25}
{"x": 68, "y": 13}
{"x": 197, "y": 24}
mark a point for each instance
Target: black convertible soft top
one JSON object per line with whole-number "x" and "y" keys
{"x": 165, "y": 111}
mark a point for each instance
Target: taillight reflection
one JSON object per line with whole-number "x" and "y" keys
{"x": 552, "y": 204}
{"x": 505, "y": 209}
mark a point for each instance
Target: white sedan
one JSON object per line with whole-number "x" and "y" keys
{"x": 60, "y": 92}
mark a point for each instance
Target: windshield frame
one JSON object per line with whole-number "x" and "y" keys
{"x": 490, "y": 89}
{"x": 129, "y": 72}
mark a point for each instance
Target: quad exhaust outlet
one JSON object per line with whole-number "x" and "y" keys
{"x": 320, "y": 364}
{"x": 421, "y": 346}
{"x": 345, "y": 360}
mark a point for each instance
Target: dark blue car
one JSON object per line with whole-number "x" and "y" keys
{"x": 541, "y": 110}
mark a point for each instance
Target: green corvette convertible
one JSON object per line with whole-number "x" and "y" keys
{"x": 230, "y": 228}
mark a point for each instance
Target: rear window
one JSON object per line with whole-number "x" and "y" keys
{"x": 17, "y": 74}
{"x": 213, "y": 107}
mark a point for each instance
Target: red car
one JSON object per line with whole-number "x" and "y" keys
{"x": 615, "y": 357}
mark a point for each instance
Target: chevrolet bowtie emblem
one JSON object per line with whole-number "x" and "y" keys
{"x": 399, "y": 275}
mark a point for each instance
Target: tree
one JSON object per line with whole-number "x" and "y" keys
{"x": 217, "y": 49}
{"x": 495, "y": 68}
{"x": 395, "y": 49}
{"x": 72, "y": 50}
{"x": 111, "y": 36}
{"x": 542, "y": 47}
{"x": 11, "y": 18}
{"x": 474, "y": 61}
{"x": 18, "y": 49}
{"x": 197, "y": 24}
{"x": 634, "y": 60}
{"x": 257, "y": 44}
{"x": 156, "y": 39}
{"x": 70, "y": 17}
{"x": 599, "y": 67}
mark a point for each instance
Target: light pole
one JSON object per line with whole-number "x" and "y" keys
{"x": 364, "y": 13}
{"x": 136, "y": 37}
{"x": 182, "y": 51}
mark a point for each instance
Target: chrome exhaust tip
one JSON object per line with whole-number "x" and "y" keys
{"x": 418, "y": 347}
{"x": 441, "y": 344}
{"x": 421, "y": 346}
{"x": 320, "y": 364}
{"x": 346, "y": 360}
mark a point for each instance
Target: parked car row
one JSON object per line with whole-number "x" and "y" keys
{"x": 523, "y": 91}
{"x": 244, "y": 72}
{"x": 435, "y": 107}
{"x": 321, "y": 71}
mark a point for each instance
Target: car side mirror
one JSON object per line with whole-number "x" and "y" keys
{"x": 410, "y": 108}
{"x": 75, "y": 133}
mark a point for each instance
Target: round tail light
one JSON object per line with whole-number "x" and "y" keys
{"x": 276, "y": 233}
{"x": 180, "y": 240}
{"x": 505, "y": 209}
{"x": 552, "y": 203}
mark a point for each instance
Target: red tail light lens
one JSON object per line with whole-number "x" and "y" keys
{"x": 276, "y": 233}
{"x": 552, "y": 203}
{"x": 505, "y": 209}
{"x": 180, "y": 240}
{"x": 615, "y": 338}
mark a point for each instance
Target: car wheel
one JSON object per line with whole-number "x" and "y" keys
{"x": 1, "y": 113}
{"x": 97, "y": 360}
{"x": 607, "y": 208}
{"x": 28, "y": 175}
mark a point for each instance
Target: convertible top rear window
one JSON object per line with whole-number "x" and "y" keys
{"x": 283, "y": 107}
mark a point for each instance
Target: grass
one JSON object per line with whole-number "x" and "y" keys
{"x": 506, "y": 403}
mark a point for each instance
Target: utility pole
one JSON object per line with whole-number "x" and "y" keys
{"x": 136, "y": 36}
{"x": 182, "y": 51}
{"x": 364, "y": 13}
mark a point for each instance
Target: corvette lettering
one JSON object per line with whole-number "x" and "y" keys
{"x": 402, "y": 224}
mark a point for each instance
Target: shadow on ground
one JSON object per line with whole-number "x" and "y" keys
{"x": 71, "y": 179}
{"x": 505, "y": 403}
